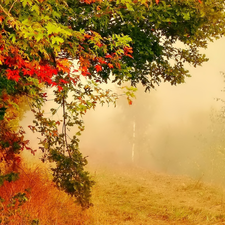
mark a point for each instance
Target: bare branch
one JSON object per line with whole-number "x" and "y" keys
{"x": 12, "y": 6}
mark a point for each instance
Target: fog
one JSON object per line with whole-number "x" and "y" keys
{"x": 176, "y": 129}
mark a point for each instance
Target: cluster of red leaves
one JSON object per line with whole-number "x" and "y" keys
{"x": 128, "y": 51}
{"x": 157, "y": 1}
{"x": 110, "y": 60}
{"x": 87, "y": 1}
{"x": 44, "y": 71}
{"x": 18, "y": 67}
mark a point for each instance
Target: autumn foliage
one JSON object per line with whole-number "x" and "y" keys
{"x": 33, "y": 199}
{"x": 53, "y": 45}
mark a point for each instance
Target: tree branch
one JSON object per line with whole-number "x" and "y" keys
{"x": 64, "y": 127}
{"x": 8, "y": 13}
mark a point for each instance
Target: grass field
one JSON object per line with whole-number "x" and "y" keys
{"x": 134, "y": 196}
{"x": 121, "y": 196}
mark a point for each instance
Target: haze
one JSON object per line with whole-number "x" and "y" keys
{"x": 173, "y": 125}
{"x": 174, "y": 130}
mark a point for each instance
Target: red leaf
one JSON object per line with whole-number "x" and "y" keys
{"x": 88, "y": 1}
{"x": 118, "y": 65}
{"x": 110, "y": 65}
{"x": 1, "y": 18}
{"x": 59, "y": 88}
{"x": 98, "y": 68}
{"x": 87, "y": 36}
{"x": 99, "y": 44}
{"x": 129, "y": 56}
{"x": 128, "y": 50}
{"x": 108, "y": 56}
{"x": 13, "y": 75}
{"x": 84, "y": 71}
{"x": 63, "y": 65}
{"x": 63, "y": 81}
{"x": 101, "y": 60}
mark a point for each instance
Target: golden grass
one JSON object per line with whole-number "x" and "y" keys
{"x": 132, "y": 196}
{"x": 121, "y": 196}
{"x": 46, "y": 205}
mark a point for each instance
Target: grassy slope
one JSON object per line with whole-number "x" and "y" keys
{"x": 46, "y": 205}
{"x": 132, "y": 196}
{"x": 121, "y": 196}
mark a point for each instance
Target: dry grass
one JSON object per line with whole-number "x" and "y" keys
{"x": 46, "y": 205}
{"x": 132, "y": 196}
{"x": 121, "y": 196}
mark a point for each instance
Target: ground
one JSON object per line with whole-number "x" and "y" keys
{"x": 136, "y": 196}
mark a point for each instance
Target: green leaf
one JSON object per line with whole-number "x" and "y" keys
{"x": 26, "y": 2}
{"x": 13, "y": 37}
{"x": 186, "y": 16}
{"x": 57, "y": 40}
{"x": 129, "y": 7}
{"x": 39, "y": 36}
{"x": 51, "y": 28}
{"x": 36, "y": 9}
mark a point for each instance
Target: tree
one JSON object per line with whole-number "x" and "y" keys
{"x": 118, "y": 41}
{"x": 213, "y": 143}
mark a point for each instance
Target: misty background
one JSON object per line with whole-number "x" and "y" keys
{"x": 178, "y": 129}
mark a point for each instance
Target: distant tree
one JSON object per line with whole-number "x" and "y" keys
{"x": 118, "y": 41}
{"x": 213, "y": 144}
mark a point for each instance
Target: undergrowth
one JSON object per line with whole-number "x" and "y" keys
{"x": 33, "y": 199}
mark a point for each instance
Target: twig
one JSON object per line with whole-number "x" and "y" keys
{"x": 64, "y": 127}
{"x": 12, "y": 6}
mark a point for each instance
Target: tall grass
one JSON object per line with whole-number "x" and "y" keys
{"x": 135, "y": 196}
{"x": 121, "y": 196}
{"x": 45, "y": 204}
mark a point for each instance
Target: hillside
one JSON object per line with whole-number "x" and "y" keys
{"x": 134, "y": 196}
{"x": 121, "y": 196}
